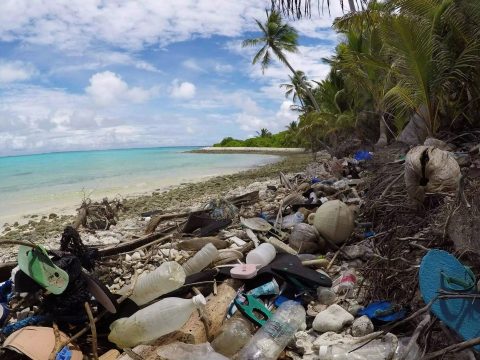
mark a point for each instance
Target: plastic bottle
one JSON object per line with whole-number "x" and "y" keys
{"x": 233, "y": 336}
{"x": 413, "y": 354}
{"x": 274, "y": 336}
{"x": 347, "y": 281}
{"x": 292, "y": 219}
{"x": 166, "y": 278}
{"x": 262, "y": 255}
{"x": 375, "y": 350}
{"x": 154, "y": 321}
{"x": 204, "y": 257}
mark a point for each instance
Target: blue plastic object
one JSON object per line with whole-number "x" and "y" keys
{"x": 369, "y": 234}
{"x": 64, "y": 354}
{"x": 362, "y": 155}
{"x": 440, "y": 270}
{"x": 315, "y": 180}
{"x": 381, "y": 312}
{"x": 4, "y": 311}
{"x": 31, "y": 320}
{"x": 5, "y": 290}
{"x": 281, "y": 299}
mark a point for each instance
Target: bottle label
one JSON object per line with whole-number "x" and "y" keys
{"x": 278, "y": 330}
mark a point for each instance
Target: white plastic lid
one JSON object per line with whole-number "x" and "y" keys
{"x": 199, "y": 300}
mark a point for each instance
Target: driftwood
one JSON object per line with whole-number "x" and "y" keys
{"x": 97, "y": 215}
{"x": 198, "y": 243}
{"x": 155, "y": 221}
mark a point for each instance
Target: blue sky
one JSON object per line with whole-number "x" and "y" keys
{"x": 93, "y": 74}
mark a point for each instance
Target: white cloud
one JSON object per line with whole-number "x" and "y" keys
{"x": 182, "y": 90}
{"x": 77, "y": 24}
{"x": 223, "y": 68}
{"x": 107, "y": 88}
{"x": 191, "y": 64}
{"x": 12, "y": 71}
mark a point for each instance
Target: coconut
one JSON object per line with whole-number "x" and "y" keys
{"x": 334, "y": 221}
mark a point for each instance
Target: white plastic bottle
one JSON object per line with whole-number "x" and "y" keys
{"x": 262, "y": 255}
{"x": 204, "y": 257}
{"x": 274, "y": 336}
{"x": 154, "y": 321}
{"x": 166, "y": 278}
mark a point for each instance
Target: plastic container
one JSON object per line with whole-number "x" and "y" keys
{"x": 269, "y": 288}
{"x": 179, "y": 350}
{"x": 204, "y": 257}
{"x": 381, "y": 349}
{"x": 274, "y": 336}
{"x": 166, "y": 278}
{"x": 347, "y": 281}
{"x": 262, "y": 255}
{"x": 414, "y": 353}
{"x": 233, "y": 336}
{"x": 154, "y": 321}
{"x": 292, "y": 219}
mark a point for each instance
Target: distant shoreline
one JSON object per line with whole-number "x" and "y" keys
{"x": 248, "y": 150}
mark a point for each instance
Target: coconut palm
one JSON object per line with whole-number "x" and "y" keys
{"x": 293, "y": 126}
{"x": 277, "y": 38}
{"x": 264, "y": 133}
{"x": 301, "y": 8}
{"x": 293, "y": 88}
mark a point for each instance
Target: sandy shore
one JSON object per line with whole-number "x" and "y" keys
{"x": 47, "y": 230}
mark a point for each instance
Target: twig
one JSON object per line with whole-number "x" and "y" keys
{"x": 203, "y": 317}
{"x": 133, "y": 355}
{"x": 453, "y": 348}
{"x": 93, "y": 329}
{"x": 387, "y": 189}
{"x": 416, "y": 334}
{"x": 58, "y": 342}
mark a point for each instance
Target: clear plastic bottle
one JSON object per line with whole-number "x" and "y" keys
{"x": 347, "y": 281}
{"x": 292, "y": 219}
{"x": 166, "y": 278}
{"x": 275, "y": 335}
{"x": 154, "y": 321}
{"x": 204, "y": 257}
{"x": 262, "y": 255}
{"x": 381, "y": 349}
{"x": 233, "y": 336}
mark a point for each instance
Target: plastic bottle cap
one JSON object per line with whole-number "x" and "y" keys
{"x": 199, "y": 300}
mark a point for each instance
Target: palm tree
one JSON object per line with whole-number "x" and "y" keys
{"x": 264, "y": 133}
{"x": 293, "y": 126}
{"x": 301, "y": 8}
{"x": 295, "y": 90}
{"x": 277, "y": 38}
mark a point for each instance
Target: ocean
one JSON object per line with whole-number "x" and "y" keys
{"x": 37, "y": 184}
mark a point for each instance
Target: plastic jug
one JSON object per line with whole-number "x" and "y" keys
{"x": 274, "y": 336}
{"x": 233, "y": 336}
{"x": 154, "y": 321}
{"x": 262, "y": 255}
{"x": 204, "y": 257}
{"x": 166, "y": 278}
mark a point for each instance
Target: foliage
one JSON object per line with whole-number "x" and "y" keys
{"x": 281, "y": 139}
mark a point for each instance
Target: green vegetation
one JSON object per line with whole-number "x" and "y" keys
{"x": 400, "y": 65}
{"x": 281, "y": 139}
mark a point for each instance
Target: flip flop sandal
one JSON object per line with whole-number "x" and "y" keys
{"x": 35, "y": 262}
{"x": 440, "y": 270}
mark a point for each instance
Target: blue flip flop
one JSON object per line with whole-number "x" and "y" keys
{"x": 441, "y": 270}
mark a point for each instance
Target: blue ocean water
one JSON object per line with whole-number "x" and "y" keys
{"x": 36, "y": 183}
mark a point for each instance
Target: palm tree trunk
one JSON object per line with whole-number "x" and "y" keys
{"x": 382, "y": 139}
{"x": 351, "y": 3}
{"x": 305, "y": 87}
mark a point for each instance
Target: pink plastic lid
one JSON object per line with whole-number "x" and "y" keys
{"x": 244, "y": 271}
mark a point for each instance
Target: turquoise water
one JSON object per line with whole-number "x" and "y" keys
{"x": 37, "y": 183}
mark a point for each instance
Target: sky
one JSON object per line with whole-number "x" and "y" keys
{"x": 103, "y": 74}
